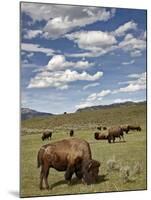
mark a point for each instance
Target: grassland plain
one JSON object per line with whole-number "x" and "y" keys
{"x": 127, "y": 154}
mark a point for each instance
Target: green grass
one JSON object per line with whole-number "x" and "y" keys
{"x": 134, "y": 149}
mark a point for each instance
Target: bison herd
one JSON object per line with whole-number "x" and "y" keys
{"x": 115, "y": 132}
{"x": 73, "y": 155}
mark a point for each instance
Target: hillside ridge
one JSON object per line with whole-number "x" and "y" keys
{"x": 27, "y": 113}
{"x": 114, "y": 105}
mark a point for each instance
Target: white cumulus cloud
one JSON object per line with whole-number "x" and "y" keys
{"x": 94, "y": 42}
{"x": 92, "y": 39}
{"x": 64, "y": 18}
{"x": 32, "y": 34}
{"x": 93, "y": 99}
{"x": 59, "y": 62}
{"x": 29, "y": 47}
{"x": 133, "y": 45}
{"x": 97, "y": 43}
{"x": 60, "y": 79}
{"x": 121, "y": 30}
{"x": 138, "y": 83}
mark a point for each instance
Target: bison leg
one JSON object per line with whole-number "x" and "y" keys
{"x": 123, "y": 138}
{"x": 69, "y": 172}
{"x": 41, "y": 179}
{"x": 112, "y": 138}
{"x": 109, "y": 139}
{"x": 46, "y": 173}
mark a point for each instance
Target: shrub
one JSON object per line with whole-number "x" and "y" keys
{"x": 125, "y": 173}
{"x": 112, "y": 164}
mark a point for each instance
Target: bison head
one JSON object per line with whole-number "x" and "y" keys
{"x": 90, "y": 170}
{"x": 139, "y": 128}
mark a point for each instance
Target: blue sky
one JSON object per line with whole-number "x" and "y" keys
{"x": 73, "y": 57}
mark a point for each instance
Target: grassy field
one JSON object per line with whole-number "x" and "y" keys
{"x": 127, "y": 155}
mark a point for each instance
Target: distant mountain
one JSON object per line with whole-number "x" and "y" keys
{"x": 128, "y": 103}
{"x": 27, "y": 113}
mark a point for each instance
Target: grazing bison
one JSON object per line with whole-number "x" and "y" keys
{"x": 99, "y": 128}
{"x": 104, "y": 128}
{"x": 99, "y": 136}
{"x": 133, "y": 128}
{"x": 115, "y": 132}
{"x": 71, "y": 133}
{"x": 46, "y": 135}
{"x": 70, "y": 155}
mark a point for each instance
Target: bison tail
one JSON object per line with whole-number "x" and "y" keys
{"x": 39, "y": 158}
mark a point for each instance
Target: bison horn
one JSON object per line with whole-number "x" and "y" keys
{"x": 90, "y": 165}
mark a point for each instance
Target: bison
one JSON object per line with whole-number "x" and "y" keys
{"x": 115, "y": 132}
{"x": 99, "y": 128}
{"x": 137, "y": 128}
{"x": 104, "y": 128}
{"x": 71, "y": 133}
{"x": 46, "y": 135}
{"x": 99, "y": 136}
{"x": 70, "y": 155}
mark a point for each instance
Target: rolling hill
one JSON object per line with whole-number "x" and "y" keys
{"x": 27, "y": 113}
{"x": 89, "y": 119}
{"x": 115, "y": 105}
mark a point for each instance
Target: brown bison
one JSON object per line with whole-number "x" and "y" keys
{"x": 46, "y": 135}
{"x": 99, "y": 128}
{"x": 70, "y": 155}
{"x": 133, "y": 128}
{"x": 71, "y": 133}
{"x": 104, "y": 128}
{"x": 115, "y": 132}
{"x": 100, "y": 136}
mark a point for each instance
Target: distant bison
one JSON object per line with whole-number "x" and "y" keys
{"x": 70, "y": 155}
{"x": 100, "y": 136}
{"x": 137, "y": 128}
{"x": 104, "y": 128}
{"x": 115, "y": 132}
{"x": 71, "y": 133}
{"x": 46, "y": 135}
{"x": 99, "y": 128}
